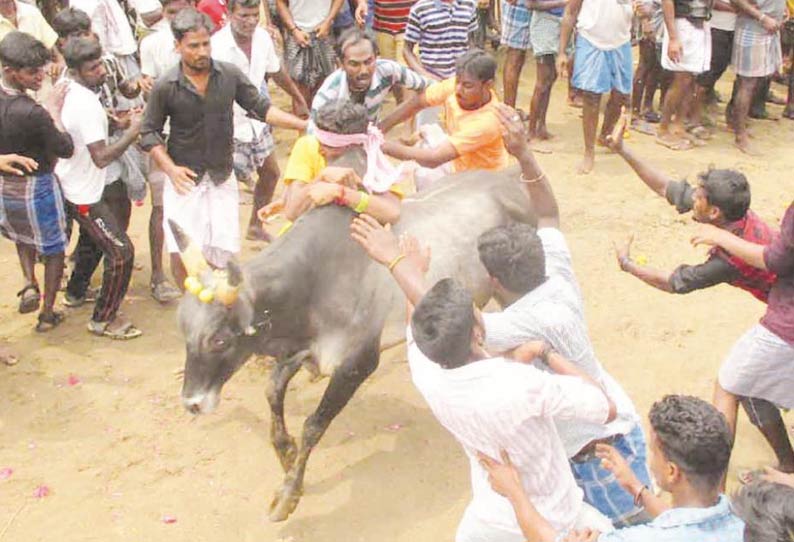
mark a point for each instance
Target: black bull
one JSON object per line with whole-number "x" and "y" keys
{"x": 315, "y": 296}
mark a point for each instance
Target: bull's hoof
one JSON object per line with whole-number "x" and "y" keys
{"x": 284, "y": 503}
{"x": 286, "y": 451}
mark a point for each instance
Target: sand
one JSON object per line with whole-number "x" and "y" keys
{"x": 100, "y": 424}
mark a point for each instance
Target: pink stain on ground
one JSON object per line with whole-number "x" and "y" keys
{"x": 6, "y": 473}
{"x": 394, "y": 427}
{"x": 73, "y": 380}
{"x": 169, "y": 519}
{"x": 41, "y": 492}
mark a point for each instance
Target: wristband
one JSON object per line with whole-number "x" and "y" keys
{"x": 363, "y": 202}
{"x": 395, "y": 261}
{"x": 638, "y": 496}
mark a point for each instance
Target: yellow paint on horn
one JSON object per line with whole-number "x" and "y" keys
{"x": 206, "y": 295}
{"x": 224, "y": 292}
{"x": 193, "y": 285}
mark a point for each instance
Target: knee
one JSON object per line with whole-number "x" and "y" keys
{"x": 761, "y": 412}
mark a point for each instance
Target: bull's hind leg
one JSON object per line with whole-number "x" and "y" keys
{"x": 341, "y": 387}
{"x": 280, "y": 376}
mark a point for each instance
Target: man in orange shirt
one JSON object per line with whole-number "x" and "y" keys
{"x": 474, "y": 134}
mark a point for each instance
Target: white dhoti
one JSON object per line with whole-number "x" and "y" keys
{"x": 695, "y": 48}
{"x": 209, "y": 215}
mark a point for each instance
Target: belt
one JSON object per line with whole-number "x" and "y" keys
{"x": 587, "y": 453}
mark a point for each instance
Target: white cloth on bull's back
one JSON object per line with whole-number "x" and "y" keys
{"x": 263, "y": 60}
{"x": 209, "y": 215}
{"x": 496, "y": 404}
{"x": 554, "y": 312}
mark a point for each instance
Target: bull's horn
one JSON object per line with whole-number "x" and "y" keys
{"x": 191, "y": 255}
{"x": 225, "y": 292}
{"x": 235, "y": 273}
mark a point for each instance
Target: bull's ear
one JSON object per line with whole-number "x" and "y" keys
{"x": 234, "y": 272}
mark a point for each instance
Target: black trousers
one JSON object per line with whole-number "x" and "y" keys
{"x": 103, "y": 234}
{"x": 721, "y": 51}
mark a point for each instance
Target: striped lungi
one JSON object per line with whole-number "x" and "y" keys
{"x": 756, "y": 53}
{"x": 310, "y": 65}
{"x": 32, "y": 212}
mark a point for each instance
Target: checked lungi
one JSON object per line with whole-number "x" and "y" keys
{"x": 32, "y": 212}
{"x": 309, "y": 66}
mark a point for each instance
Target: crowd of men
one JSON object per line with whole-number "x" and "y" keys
{"x": 107, "y": 99}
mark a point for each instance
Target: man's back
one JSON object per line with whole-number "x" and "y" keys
{"x": 494, "y": 405}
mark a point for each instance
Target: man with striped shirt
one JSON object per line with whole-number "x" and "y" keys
{"x": 364, "y": 78}
{"x": 391, "y": 16}
{"x": 440, "y": 28}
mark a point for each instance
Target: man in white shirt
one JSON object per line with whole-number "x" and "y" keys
{"x": 244, "y": 43}
{"x": 534, "y": 282}
{"x": 83, "y": 179}
{"x": 158, "y": 49}
{"x": 603, "y": 64}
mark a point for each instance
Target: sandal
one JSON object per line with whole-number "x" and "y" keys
{"x": 29, "y": 299}
{"x": 652, "y": 116}
{"x": 675, "y": 145}
{"x": 163, "y": 292}
{"x": 48, "y": 322}
{"x": 126, "y": 332}
{"x": 643, "y": 127}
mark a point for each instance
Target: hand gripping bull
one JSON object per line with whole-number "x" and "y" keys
{"x": 313, "y": 296}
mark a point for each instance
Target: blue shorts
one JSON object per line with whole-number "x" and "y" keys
{"x": 602, "y": 490}
{"x": 599, "y": 71}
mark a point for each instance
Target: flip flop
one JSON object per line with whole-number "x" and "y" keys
{"x": 50, "y": 322}
{"x": 163, "y": 292}
{"x": 643, "y": 127}
{"x": 125, "y": 333}
{"x": 29, "y": 299}
{"x": 680, "y": 145}
{"x": 652, "y": 116}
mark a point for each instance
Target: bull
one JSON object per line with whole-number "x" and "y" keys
{"x": 313, "y": 296}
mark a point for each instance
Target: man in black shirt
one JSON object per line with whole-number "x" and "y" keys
{"x": 31, "y": 205}
{"x": 197, "y": 97}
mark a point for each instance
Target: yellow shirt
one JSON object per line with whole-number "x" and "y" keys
{"x": 30, "y": 21}
{"x": 305, "y": 163}
{"x": 476, "y": 135}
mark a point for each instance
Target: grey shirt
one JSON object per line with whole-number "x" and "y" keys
{"x": 201, "y": 128}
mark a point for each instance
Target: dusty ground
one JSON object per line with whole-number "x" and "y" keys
{"x": 100, "y": 424}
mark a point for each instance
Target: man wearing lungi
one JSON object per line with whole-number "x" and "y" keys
{"x": 197, "y": 96}
{"x": 31, "y": 204}
{"x": 756, "y": 55}
{"x": 603, "y": 64}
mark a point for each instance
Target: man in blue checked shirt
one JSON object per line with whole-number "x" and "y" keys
{"x": 690, "y": 447}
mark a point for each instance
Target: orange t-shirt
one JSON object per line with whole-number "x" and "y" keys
{"x": 476, "y": 135}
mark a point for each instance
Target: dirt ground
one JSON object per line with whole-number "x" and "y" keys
{"x": 100, "y": 424}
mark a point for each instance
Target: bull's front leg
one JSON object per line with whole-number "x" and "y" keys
{"x": 280, "y": 377}
{"x": 341, "y": 387}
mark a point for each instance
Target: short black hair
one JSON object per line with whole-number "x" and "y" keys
{"x": 70, "y": 21}
{"x": 767, "y": 510}
{"x": 20, "y": 50}
{"x": 345, "y": 117}
{"x": 190, "y": 20}
{"x": 477, "y": 63}
{"x": 728, "y": 191}
{"x": 231, "y": 4}
{"x": 352, "y": 36}
{"x": 694, "y": 435}
{"x": 78, "y": 51}
{"x": 443, "y": 322}
{"x": 514, "y": 255}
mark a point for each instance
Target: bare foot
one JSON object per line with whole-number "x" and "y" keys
{"x": 601, "y": 140}
{"x": 743, "y": 144}
{"x": 673, "y": 142}
{"x": 7, "y": 357}
{"x": 586, "y": 165}
{"x": 544, "y": 135}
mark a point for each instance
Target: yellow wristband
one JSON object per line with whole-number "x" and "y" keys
{"x": 284, "y": 229}
{"x": 395, "y": 261}
{"x": 363, "y": 202}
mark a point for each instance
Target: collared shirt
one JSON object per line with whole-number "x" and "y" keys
{"x": 391, "y": 16}
{"x": 779, "y": 258}
{"x": 30, "y": 21}
{"x": 496, "y": 404}
{"x": 29, "y": 130}
{"x": 441, "y": 29}
{"x": 714, "y": 524}
{"x": 158, "y": 53}
{"x": 475, "y": 134}
{"x": 388, "y": 73}
{"x": 554, "y": 312}
{"x": 263, "y": 60}
{"x": 202, "y": 128}
{"x": 110, "y": 24}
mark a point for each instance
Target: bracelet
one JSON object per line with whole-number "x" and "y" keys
{"x": 363, "y": 202}
{"x": 638, "y": 496}
{"x": 395, "y": 261}
{"x": 531, "y": 181}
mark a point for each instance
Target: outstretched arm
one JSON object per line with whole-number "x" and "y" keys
{"x": 653, "y": 178}
{"x": 406, "y": 260}
{"x": 535, "y": 182}
{"x": 427, "y": 157}
{"x": 404, "y": 111}
{"x": 752, "y": 253}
